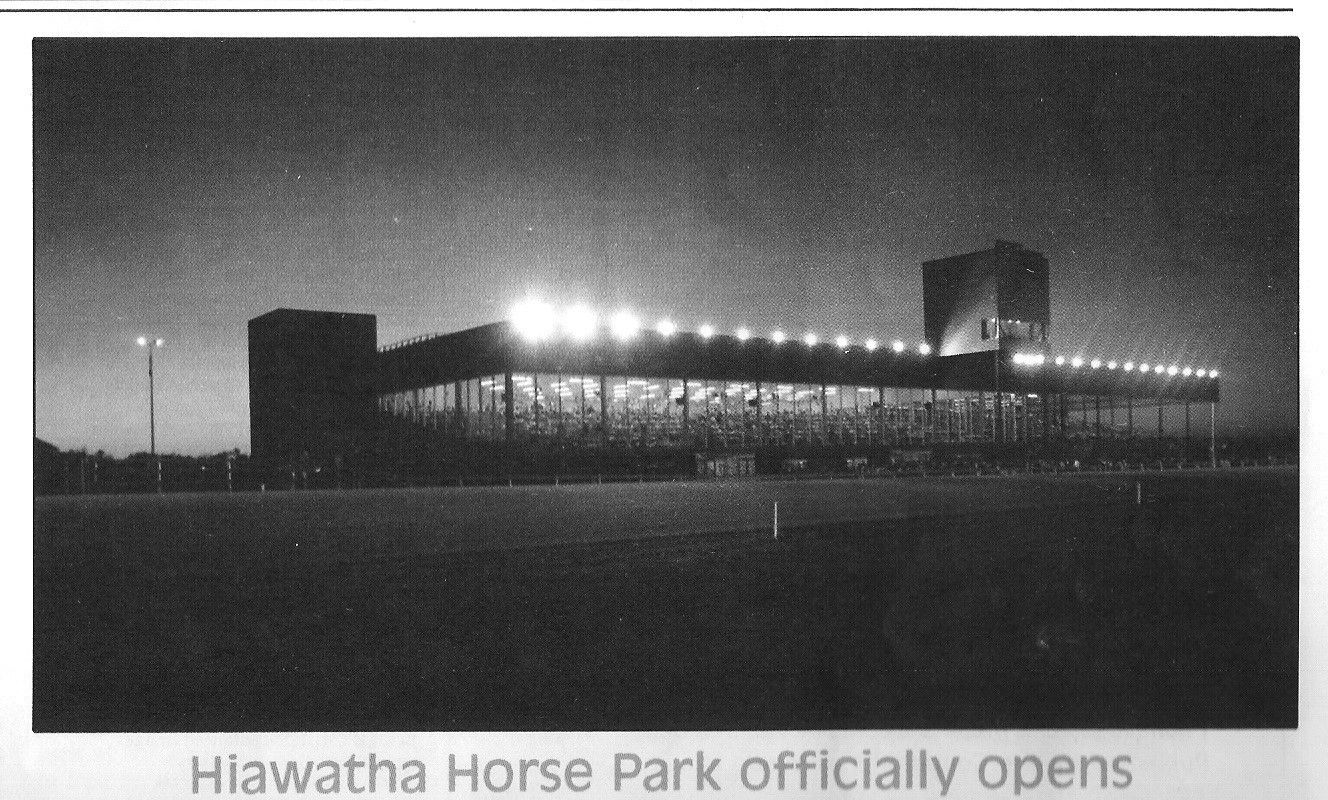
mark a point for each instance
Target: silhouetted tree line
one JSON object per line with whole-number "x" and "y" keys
{"x": 58, "y": 471}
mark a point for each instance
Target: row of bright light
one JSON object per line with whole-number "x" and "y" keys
{"x": 536, "y": 321}
{"x": 1038, "y": 359}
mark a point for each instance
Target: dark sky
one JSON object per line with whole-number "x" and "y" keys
{"x": 185, "y": 186}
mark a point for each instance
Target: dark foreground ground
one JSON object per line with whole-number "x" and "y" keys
{"x": 1027, "y": 601}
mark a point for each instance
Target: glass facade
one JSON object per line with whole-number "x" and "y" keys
{"x": 636, "y": 411}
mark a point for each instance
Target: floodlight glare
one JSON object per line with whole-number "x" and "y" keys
{"x": 706, "y": 331}
{"x": 810, "y": 340}
{"x": 777, "y": 337}
{"x": 1060, "y": 361}
{"x": 142, "y": 341}
{"x": 841, "y": 342}
{"x": 579, "y": 322}
{"x": 924, "y": 349}
{"x": 1187, "y": 372}
{"x": 897, "y": 346}
{"x": 1095, "y": 363}
{"x": 1129, "y": 365}
{"x": 1111, "y": 365}
{"x": 1159, "y": 369}
{"x": 1173, "y": 369}
{"x": 534, "y": 320}
{"x": 871, "y": 344}
{"x": 1201, "y": 373}
{"x": 1212, "y": 373}
{"x": 1076, "y": 362}
{"x": 624, "y": 325}
{"x": 1143, "y": 367}
{"x": 1019, "y": 358}
{"x": 743, "y": 334}
{"x": 666, "y": 328}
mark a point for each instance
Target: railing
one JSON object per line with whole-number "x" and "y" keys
{"x": 412, "y": 340}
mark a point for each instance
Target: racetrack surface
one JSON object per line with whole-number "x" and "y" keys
{"x": 1015, "y": 601}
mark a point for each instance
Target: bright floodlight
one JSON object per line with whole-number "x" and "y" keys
{"x": 1060, "y": 361}
{"x": 579, "y": 322}
{"x": 924, "y": 349}
{"x": 706, "y": 331}
{"x": 1095, "y": 363}
{"x": 666, "y": 328}
{"x": 1187, "y": 372}
{"x": 871, "y": 344}
{"x": 743, "y": 334}
{"x": 1111, "y": 365}
{"x": 1129, "y": 365}
{"x": 1212, "y": 373}
{"x": 777, "y": 337}
{"x": 897, "y": 346}
{"x": 142, "y": 341}
{"x": 624, "y": 325}
{"x": 810, "y": 339}
{"x": 534, "y": 320}
{"x": 1201, "y": 373}
{"x": 1159, "y": 369}
{"x": 1173, "y": 369}
{"x": 1143, "y": 367}
{"x": 1076, "y": 362}
{"x": 841, "y": 342}
{"x": 1019, "y": 358}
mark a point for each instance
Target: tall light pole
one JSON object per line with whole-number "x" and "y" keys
{"x": 152, "y": 344}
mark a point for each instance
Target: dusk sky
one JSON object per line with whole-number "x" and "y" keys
{"x": 185, "y": 186}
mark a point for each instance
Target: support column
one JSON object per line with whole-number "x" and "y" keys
{"x": 509, "y": 408}
{"x": 1097, "y": 410}
{"x": 1212, "y": 435}
{"x": 604, "y": 406}
{"x": 1187, "y": 431}
{"x": 686, "y": 409}
{"x": 998, "y": 418}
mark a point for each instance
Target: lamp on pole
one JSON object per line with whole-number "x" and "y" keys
{"x": 152, "y": 344}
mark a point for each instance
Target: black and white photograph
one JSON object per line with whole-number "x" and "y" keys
{"x": 666, "y": 384}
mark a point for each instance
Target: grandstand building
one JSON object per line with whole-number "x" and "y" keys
{"x": 565, "y": 390}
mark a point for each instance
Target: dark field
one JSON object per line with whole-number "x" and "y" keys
{"x": 1025, "y": 601}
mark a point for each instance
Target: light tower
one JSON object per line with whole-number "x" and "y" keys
{"x": 152, "y": 344}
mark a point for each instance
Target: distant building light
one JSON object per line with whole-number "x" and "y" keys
{"x": 1076, "y": 362}
{"x": 666, "y": 328}
{"x": 841, "y": 342}
{"x": 1095, "y": 363}
{"x": 897, "y": 346}
{"x": 1187, "y": 372}
{"x": 624, "y": 325}
{"x": 743, "y": 334}
{"x": 1143, "y": 367}
{"x": 1060, "y": 361}
{"x": 1111, "y": 365}
{"x": 1159, "y": 369}
{"x": 706, "y": 331}
{"x": 871, "y": 344}
{"x": 1173, "y": 369}
{"x": 810, "y": 339}
{"x": 1129, "y": 366}
{"x": 777, "y": 337}
{"x": 1212, "y": 373}
{"x": 1201, "y": 373}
